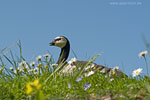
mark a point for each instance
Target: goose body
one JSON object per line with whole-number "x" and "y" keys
{"x": 63, "y": 43}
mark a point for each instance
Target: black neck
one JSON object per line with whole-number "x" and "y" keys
{"x": 64, "y": 53}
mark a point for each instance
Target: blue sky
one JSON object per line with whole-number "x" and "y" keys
{"x": 114, "y": 27}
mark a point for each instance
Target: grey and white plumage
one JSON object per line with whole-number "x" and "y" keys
{"x": 63, "y": 43}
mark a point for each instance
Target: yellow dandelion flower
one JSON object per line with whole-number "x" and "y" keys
{"x": 114, "y": 73}
{"x": 29, "y": 88}
{"x": 39, "y": 86}
{"x": 33, "y": 86}
{"x": 35, "y": 82}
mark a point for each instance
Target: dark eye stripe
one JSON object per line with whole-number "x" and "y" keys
{"x": 58, "y": 39}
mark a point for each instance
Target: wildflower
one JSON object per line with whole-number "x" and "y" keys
{"x": 66, "y": 68}
{"x": 94, "y": 68}
{"x": 143, "y": 53}
{"x": 29, "y": 88}
{"x": 72, "y": 60}
{"x": 114, "y": 70}
{"x": 30, "y": 70}
{"x": 86, "y": 86}
{"x": 38, "y": 58}
{"x": 54, "y": 65}
{"x": 103, "y": 70}
{"x": 136, "y": 72}
{"x": 90, "y": 66}
{"x": 88, "y": 74}
{"x": 67, "y": 95}
{"x": 32, "y": 64}
{"x": 20, "y": 70}
{"x": 33, "y": 86}
{"x": 39, "y": 65}
{"x": 22, "y": 64}
{"x": 35, "y": 70}
{"x": 111, "y": 79}
{"x": 69, "y": 85}
{"x": 26, "y": 67}
{"x": 11, "y": 68}
{"x": 15, "y": 71}
{"x": 69, "y": 69}
{"x": 79, "y": 79}
{"x": 46, "y": 67}
{"x": 47, "y": 55}
{"x": 36, "y": 83}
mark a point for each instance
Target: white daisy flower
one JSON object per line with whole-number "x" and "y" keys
{"x": 11, "y": 68}
{"x": 38, "y": 58}
{"x": 72, "y": 60}
{"x": 54, "y": 65}
{"x": 20, "y": 70}
{"x": 116, "y": 68}
{"x": 111, "y": 79}
{"x": 27, "y": 67}
{"x": 88, "y": 74}
{"x": 32, "y": 63}
{"x": 47, "y": 55}
{"x": 136, "y": 72}
{"x": 15, "y": 71}
{"x": 113, "y": 71}
{"x": 69, "y": 69}
{"x": 103, "y": 70}
{"x": 22, "y": 64}
{"x": 143, "y": 53}
{"x": 89, "y": 66}
{"x": 36, "y": 69}
{"x": 30, "y": 70}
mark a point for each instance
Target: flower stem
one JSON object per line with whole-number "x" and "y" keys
{"x": 146, "y": 65}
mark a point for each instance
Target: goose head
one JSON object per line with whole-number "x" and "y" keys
{"x": 63, "y": 43}
{"x": 59, "y": 41}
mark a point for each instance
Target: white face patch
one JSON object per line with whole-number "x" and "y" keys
{"x": 60, "y": 42}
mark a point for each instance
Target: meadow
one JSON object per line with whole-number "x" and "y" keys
{"x": 41, "y": 80}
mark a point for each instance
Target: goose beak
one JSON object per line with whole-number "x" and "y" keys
{"x": 52, "y": 43}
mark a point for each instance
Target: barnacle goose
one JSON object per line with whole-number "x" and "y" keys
{"x": 63, "y": 43}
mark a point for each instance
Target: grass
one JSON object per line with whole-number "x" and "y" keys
{"x": 26, "y": 83}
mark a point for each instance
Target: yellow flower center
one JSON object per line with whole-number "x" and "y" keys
{"x": 137, "y": 72}
{"x": 39, "y": 65}
{"x": 94, "y": 68}
{"x": 46, "y": 66}
{"x": 114, "y": 73}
